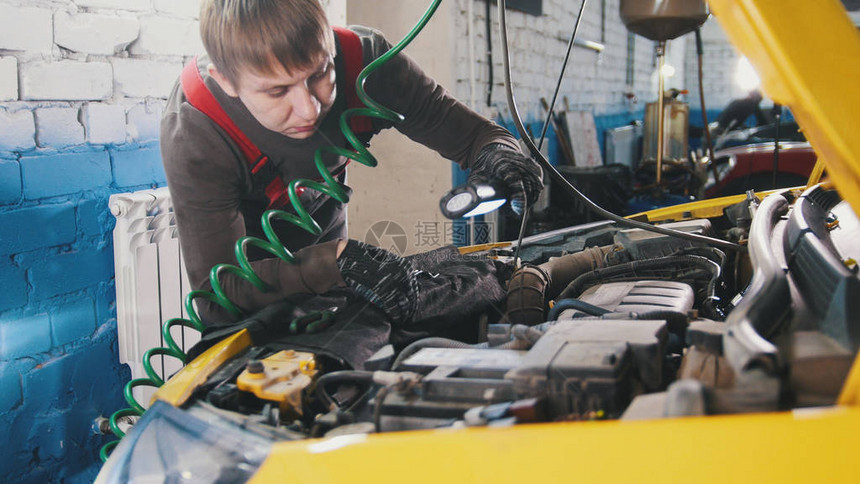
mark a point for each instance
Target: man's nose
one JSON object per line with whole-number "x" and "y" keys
{"x": 305, "y": 104}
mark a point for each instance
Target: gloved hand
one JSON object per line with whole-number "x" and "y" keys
{"x": 382, "y": 278}
{"x": 521, "y": 175}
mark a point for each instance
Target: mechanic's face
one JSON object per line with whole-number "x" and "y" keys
{"x": 291, "y": 103}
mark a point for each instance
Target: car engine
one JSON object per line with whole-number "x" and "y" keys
{"x": 602, "y": 322}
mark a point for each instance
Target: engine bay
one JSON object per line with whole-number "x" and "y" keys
{"x": 602, "y": 322}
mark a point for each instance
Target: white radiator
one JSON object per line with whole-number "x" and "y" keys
{"x": 151, "y": 283}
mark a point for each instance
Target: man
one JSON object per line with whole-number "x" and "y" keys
{"x": 278, "y": 72}
{"x": 737, "y": 112}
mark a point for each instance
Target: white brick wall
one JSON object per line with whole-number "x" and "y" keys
{"x": 594, "y": 82}
{"x": 144, "y": 121}
{"x": 168, "y": 36}
{"x": 105, "y": 123}
{"x": 66, "y": 80}
{"x": 56, "y": 56}
{"x": 136, "y": 5}
{"x": 719, "y": 61}
{"x": 122, "y": 52}
{"x": 178, "y": 8}
{"x": 145, "y": 78}
{"x": 19, "y": 130}
{"x": 8, "y": 78}
{"x": 336, "y": 11}
{"x": 58, "y": 128}
{"x": 94, "y": 33}
{"x": 25, "y": 28}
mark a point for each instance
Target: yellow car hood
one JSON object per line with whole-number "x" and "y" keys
{"x": 808, "y": 57}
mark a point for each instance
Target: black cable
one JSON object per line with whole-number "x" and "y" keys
{"x": 700, "y": 52}
{"x": 377, "y": 407}
{"x": 489, "y": 55}
{"x": 561, "y": 180}
{"x": 777, "y": 114}
{"x": 711, "y": 253}
{"x": 561, "y": 75}
{"x": 432, "y": 342}
{"x": 549, "y": 112}
{"x": 523, "y": 223}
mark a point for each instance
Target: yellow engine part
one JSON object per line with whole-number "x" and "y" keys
{"x": 283, "y": 377}
{"x": 179, "y": 388}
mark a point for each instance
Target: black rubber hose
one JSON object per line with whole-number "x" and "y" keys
{"x": 672, "y": 262}
{"x": 562, "y": 270}
{"x": 577, "y": 304}
{"x": 530, "y": 287}
{"x": 353, "y": 376}
{"x": 718, "y": 257}
{"x": 638, "y": 270}
{"x": 525, "y": 301}
{"x": 433, "y": 342}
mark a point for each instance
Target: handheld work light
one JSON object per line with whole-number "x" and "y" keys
{"x": 473, "y": 199}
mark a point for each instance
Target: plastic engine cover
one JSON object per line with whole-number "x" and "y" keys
{"x": 584, "y": 366}
{"x": 637, "y": 297}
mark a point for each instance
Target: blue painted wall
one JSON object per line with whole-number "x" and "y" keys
{"x": 59, "y": 363}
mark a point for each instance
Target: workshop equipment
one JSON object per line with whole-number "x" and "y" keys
{"x": 661, "y": 21}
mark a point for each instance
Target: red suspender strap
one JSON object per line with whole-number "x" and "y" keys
{"x": 350, "y": 47}
{"x": 201, "y": 98}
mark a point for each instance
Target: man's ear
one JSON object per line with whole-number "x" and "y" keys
{"x": 222, "y": 81}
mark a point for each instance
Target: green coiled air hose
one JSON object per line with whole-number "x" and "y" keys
{"x": 273, "y": 245}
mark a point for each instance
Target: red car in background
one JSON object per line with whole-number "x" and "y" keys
{"x": 741, "y": 168}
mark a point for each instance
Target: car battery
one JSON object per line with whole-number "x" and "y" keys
{"x": 592, "y": 367}
{"x": 456, "y": 379}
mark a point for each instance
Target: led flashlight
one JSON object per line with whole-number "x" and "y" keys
{"x": 473, "y": 199}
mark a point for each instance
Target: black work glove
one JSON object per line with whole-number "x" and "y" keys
{"x": 520, "y": 174}
{"x": 382, "y": 278}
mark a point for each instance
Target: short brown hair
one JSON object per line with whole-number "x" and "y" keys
{"x": 253, "y": 33}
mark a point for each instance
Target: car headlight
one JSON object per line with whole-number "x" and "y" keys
{"x": 173, "y": 445}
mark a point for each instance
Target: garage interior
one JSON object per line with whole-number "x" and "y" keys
{"x": 83, "y": 85}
